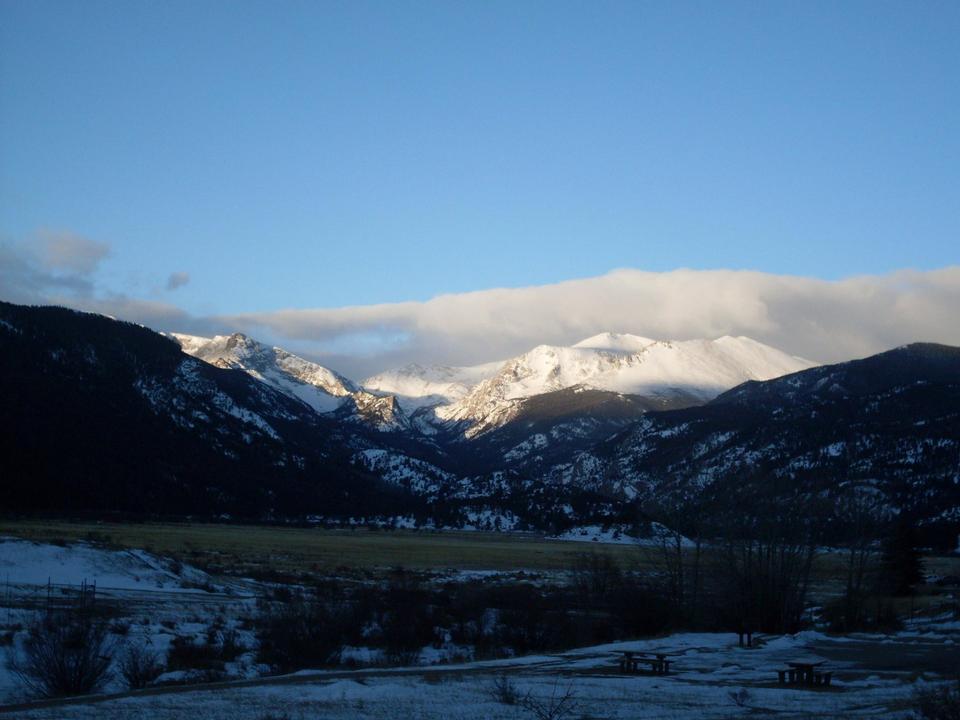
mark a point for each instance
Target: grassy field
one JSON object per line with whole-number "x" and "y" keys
{"x": 260, "y": 549}
{"x": 292, "y": 550}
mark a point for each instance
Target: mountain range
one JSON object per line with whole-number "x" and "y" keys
{"x": 103, "y": 415}
{"x": 463, "y": 403}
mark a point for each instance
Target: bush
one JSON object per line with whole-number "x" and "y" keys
{"x": 65, "y": 654}
{"x": 187, "y": 654}
{"x": 558, "y": 705}
{"x": 229, "y": 644}
{"x": 942, "y": 703}
{"x": 120, "y": 628}
{"x": 502, "y": 690}
{"x": 140, "y": 666}
{"x": 300, "y": 634}
{"x": 406, "y": 620}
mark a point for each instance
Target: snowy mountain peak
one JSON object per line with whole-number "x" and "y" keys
{"x": 418, "y": 386}
{"x": 690, "y": 371}
{"x": 317, "y": 386}
{"x": 671, "y": 373}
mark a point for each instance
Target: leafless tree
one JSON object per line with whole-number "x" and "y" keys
{"x": 677, "y": 550}
{"x": 595, "y": 577}
{"x": 861, "y": 515}
{"x": 766, "y": 557}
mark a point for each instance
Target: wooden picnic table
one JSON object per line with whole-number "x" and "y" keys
{"x": 631, "y": 660}
{"x": 805, "y": 671}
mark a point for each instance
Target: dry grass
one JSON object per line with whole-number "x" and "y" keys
{"x": 241, "y": 549}
{"x": 294, "y": 550}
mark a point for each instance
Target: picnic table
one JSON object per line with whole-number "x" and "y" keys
{"x": 805, "y": 671}
{"x": 631, "y": 661}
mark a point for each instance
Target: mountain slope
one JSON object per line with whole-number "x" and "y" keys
{"x": 416, "y": 386}
{"x": 890, "y": 422}
{"x": 324, "y": 390}
{"x": 103, "y": 415}
{"x": 320, "y": 388}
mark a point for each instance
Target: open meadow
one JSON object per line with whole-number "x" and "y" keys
{"x": 273, "y": 549}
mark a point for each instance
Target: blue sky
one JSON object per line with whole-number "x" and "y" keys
{"x": 323, "y": 154}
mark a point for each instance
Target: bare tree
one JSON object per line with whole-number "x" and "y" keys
{"x": 595, "y": 578}
{"x": 861, "y": 514}
{"x": 678, "y": 532}
{"x": 766, "y": 557}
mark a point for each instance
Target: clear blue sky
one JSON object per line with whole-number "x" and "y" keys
{"x": 319, "y": 154}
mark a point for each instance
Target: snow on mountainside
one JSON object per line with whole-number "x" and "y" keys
{"x": 889, "y": 423}
{"x": 691, "y": 371}
{"x": 427, "y": 400}
{"x": 320, "y": 388}
{"x": 416, "y": 386}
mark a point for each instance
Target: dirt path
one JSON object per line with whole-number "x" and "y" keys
{"x": 297, "y": 679}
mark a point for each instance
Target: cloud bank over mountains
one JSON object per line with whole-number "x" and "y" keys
{"x": 817, "y": 319}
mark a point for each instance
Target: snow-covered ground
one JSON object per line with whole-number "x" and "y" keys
{"x": 151, "y": 599}
{"x": 708, "y": 669}
{"x": 873, "y": 675}
{"x": 24, "y": 563}
{"x": 619, "y": 535}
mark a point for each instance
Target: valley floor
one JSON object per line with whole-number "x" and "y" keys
{"x": 157, "y": 598}
{"x": 875, "y": 676}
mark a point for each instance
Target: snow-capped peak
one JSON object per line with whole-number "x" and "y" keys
{"x": 691, "y": 371}
{"x": 317, "y": 386}
{"x": 419, "y": 386}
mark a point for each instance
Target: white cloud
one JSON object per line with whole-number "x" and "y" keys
{"x": 819, "y": 319}
{"x": 177, "y": 280}
{"x": 69, "y": 253}
{"x": 52, "y": 263}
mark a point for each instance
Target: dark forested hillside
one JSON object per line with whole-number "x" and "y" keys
{"x": 97, "y": 414}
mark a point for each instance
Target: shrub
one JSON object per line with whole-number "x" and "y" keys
{"x": 119, "y": 628}
{"x": 140, "y": 666}
{"x": 188, "y": 654}
{"x": 229, "y": 644}
{"x": 406, "y": 622}
{"x": 504, "y": 691}
{"x": 740, "y": 698}
{"x": 943, "y": 703}
{"x": 558, "y": 705}
{"x": 300, "y": 634}
{"x": 65, "y": 654}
